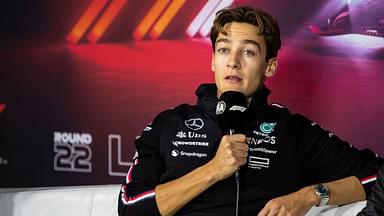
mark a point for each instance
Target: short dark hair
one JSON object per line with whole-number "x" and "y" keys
{"x": 268, "y": 26}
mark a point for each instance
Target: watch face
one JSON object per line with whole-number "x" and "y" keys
{"x": 322, "y": 189}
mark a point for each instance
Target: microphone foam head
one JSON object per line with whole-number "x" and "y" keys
{"x": 230, "y": 110}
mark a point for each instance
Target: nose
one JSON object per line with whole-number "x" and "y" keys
{"x": 233, "y": 62}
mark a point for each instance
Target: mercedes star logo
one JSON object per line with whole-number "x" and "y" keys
{"x": 194, "y": 124}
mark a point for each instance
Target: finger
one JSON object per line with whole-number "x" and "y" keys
{"x": 273, "y": 212}
{"x": 263, "y": 212}
{"x": 225, "y": 139}
{"x": 243, "y": 161}
{"x": 240, "y": 153}
{"x": 238, "y": 138}
{"x": 240, "y": 146}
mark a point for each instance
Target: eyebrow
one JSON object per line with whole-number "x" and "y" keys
{"x": 245, "y": 41}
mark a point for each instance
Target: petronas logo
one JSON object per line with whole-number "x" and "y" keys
{"x": 267, "y": 127}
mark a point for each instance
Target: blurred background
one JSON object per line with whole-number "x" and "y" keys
{"x": 80, "y": 79}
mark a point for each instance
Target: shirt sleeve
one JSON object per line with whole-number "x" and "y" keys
{"x": 137, "y": 194}
{"x": 325, "y": 157}
{"x": 375, "y": 202}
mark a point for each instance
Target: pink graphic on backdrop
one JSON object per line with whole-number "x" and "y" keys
{"x": 2, "y": 108}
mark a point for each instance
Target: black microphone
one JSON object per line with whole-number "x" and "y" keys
{"x": 230, "y": 112}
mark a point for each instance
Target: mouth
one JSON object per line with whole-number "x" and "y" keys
{"x": 232, "y": 78}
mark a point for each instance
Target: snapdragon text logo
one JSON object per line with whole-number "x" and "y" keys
{"x": 73, "y": 152}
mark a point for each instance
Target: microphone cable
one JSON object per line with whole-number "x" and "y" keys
{"x": 237, "y": 177}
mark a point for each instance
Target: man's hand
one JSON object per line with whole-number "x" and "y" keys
{"x": 231, "y": 154}
{"x": 294, "y": 204}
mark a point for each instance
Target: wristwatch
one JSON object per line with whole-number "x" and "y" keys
{"x": 322, "y": 191}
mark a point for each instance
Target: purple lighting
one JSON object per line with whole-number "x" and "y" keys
{"x": 353, "y": 16}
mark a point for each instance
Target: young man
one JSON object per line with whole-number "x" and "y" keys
{"x": 185, "y": 164}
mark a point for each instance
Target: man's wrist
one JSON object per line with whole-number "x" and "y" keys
{"x": 311, "y": 196}
{"x": 211, "y": 173}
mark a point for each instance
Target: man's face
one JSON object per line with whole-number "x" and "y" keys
{"x": 239, "y": 60}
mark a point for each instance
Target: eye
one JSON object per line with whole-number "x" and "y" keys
{"x": 222, "y": 50}
{"x": 249, "y": 53}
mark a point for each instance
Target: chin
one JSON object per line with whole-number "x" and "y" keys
{"x": 233, "y": 89}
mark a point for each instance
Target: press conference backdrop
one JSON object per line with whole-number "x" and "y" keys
{"x": 80, "y": 79}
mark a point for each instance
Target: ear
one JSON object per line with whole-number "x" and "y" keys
{"x": 271, "y": 67}
{"x": 213, "y": 62}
